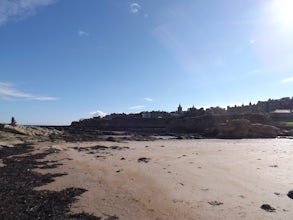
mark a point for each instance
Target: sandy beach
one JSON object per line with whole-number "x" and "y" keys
{"x": 175, "y": 179}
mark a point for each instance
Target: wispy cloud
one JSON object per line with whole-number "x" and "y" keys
{"x": 137, "y": 107}
{"x": 251, "y": 42}
{"x": 287, "y": 80}
{"x": 148, "y": 99}
{"x": 20, "y": 9}
{"x": 134, "y": 8}
{"x": 98, "y": 113}
{"x": 7, "y": 92}
{"x": 82, "y": 33}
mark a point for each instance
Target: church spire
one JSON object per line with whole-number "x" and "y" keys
{"x": 179, "y": 109}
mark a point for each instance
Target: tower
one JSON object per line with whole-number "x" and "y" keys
{"x": 179, "y": 109}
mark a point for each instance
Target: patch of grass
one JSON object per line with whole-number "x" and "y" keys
{"x": 287, "y": 123}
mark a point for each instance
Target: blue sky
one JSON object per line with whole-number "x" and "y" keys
{"x": 63, "y": 60}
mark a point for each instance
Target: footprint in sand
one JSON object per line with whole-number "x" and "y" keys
{"x": 215, "y": 203}
{"x": 205, "y": 190}
{"x": 143, "y": 159}
{"x": 274, "y": 166}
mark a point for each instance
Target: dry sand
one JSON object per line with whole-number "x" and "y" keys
{"x": 183, "y": 179}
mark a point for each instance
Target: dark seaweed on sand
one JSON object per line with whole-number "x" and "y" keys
{"x": 19, "y": 200}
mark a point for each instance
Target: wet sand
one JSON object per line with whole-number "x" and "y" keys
{"x": 175, "y": 179}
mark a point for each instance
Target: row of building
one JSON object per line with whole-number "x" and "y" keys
{"x": 283, "y": 105}
{"x": 278, "y": 106}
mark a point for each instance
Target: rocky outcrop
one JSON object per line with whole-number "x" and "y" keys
{"x": 207, "y": 125}
{"x": 243, "y": 128}
{"x": 8, "y": 132}
{"x": 30, "y": 130}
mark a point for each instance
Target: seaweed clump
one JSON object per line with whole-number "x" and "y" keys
{"x": 19, "y": 200}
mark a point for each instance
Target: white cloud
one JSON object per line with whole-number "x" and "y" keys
{"x": 137, "y": 107}
{"x": 287, "y": 80}
{"x": 134, "y": 8}
{"x": 83, "y": 33}
{"x": 251, "y": 42}
{"x": 20, "y": 9}
{"x": 148, "y": 99}
{"x": 98, "y": 113}
{"x": 7, "y": 92}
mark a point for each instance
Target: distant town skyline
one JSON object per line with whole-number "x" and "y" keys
{"x": 279, "y": 106}
{"x": 61, "y": 61}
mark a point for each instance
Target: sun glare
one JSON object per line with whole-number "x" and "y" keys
{"x": 283, "y": 13}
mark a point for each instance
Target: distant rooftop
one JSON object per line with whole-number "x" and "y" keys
{"x": 281, "y": 111}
